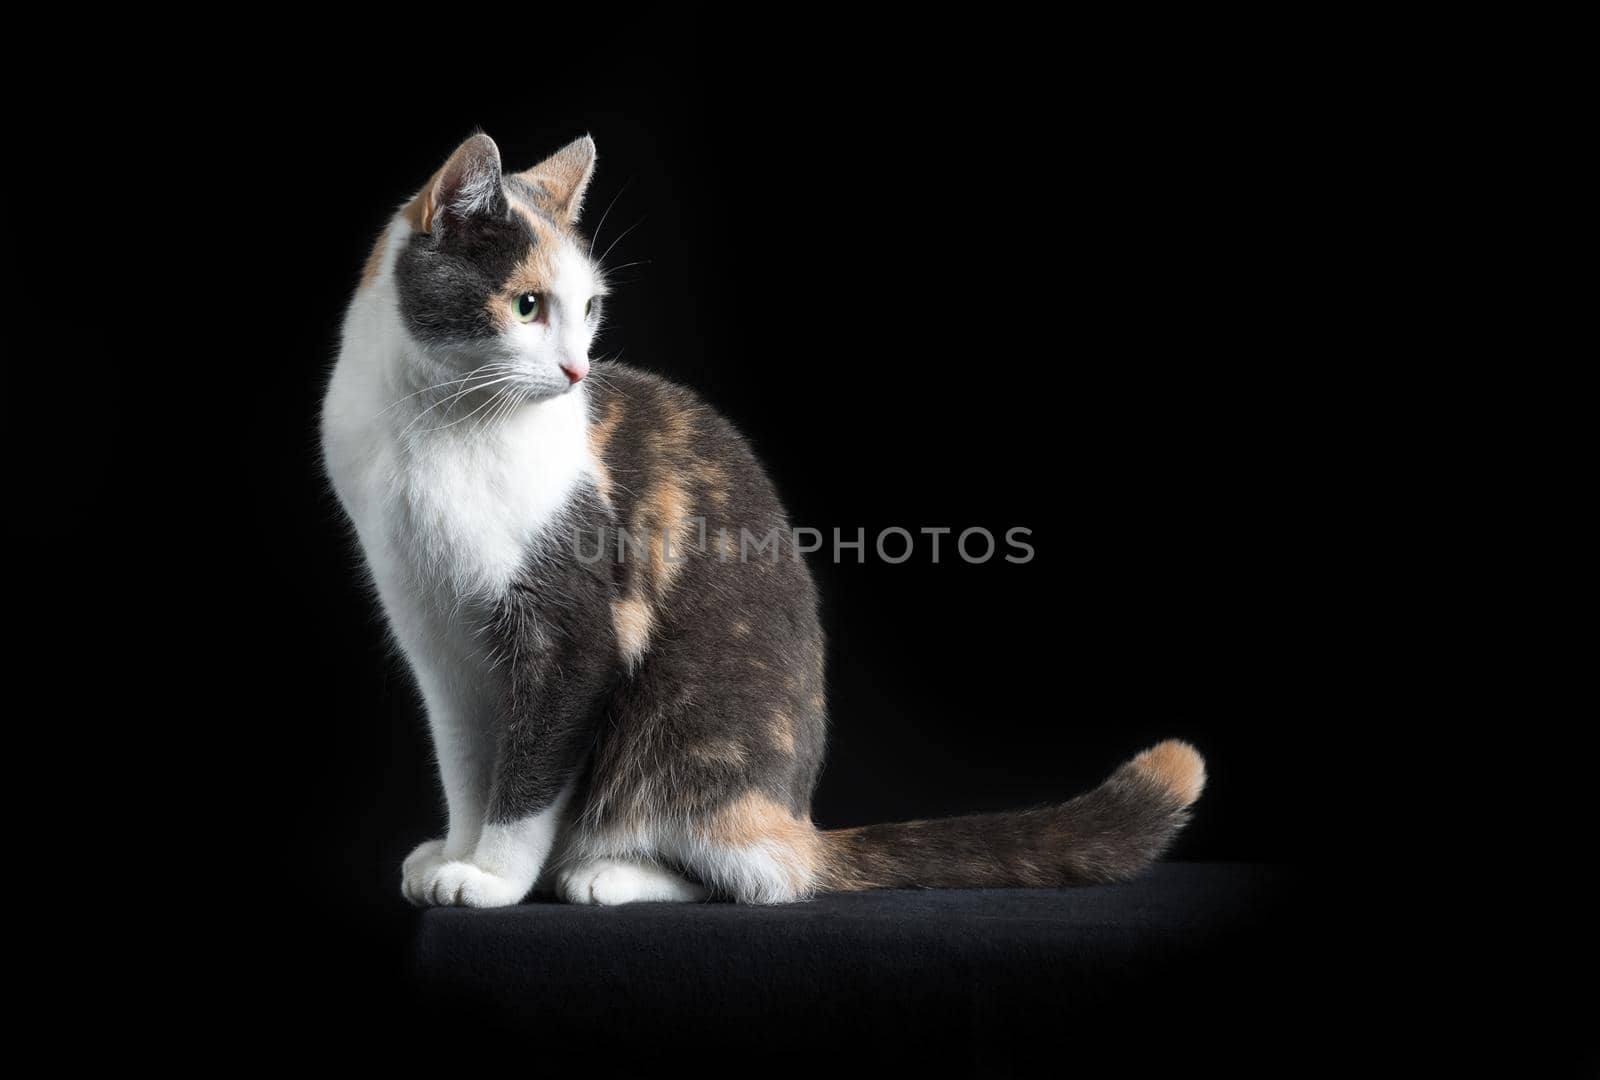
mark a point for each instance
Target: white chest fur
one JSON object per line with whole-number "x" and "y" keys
{"x": 455, "y": 512}
{"x": 464, "y": 509}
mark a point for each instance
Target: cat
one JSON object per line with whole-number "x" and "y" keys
{"x": 639, "y": 716}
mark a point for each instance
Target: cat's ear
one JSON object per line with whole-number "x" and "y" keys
{"x": 560, "y": 180}
{"x": 467, "y": 185}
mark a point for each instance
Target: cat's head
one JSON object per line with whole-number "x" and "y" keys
{"x": 494, "y": 276}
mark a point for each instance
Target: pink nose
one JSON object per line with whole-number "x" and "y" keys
{"x": 576, "y": 370}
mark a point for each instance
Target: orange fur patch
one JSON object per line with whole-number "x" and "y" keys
{"x": 633, "y": 621}
{"x": 756, "y": 819}
{"x": 713, "y": 479}
{"x": 531, "y": 216}
{"x": 719, "y": 752}
{"x": 666, "y": 524}
{"x": 600, "y": 433}
{"x": 374, "y": 264}
{"x": 1177, "y": 766}
{"x": 783, "y": 730}
{"x": 419, "y": 211}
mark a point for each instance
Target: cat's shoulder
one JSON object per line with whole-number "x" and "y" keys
{"x": 615, "y": 384}
{"x": 642, "y": 402}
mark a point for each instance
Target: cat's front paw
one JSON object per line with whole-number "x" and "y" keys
{"x": 418, "y": 870}
{"x": 461, "y": 884}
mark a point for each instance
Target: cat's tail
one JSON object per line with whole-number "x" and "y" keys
{"x": 1108, "y": 834}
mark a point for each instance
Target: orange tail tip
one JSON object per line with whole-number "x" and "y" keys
{"x": 1176, "y": 766}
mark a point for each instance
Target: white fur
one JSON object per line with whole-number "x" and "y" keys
{"x": 625, "y": 881}
{"x": 500, "y": 869}
{"x": 447, "y": 507}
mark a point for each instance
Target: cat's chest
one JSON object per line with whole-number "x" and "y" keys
{"x": 466, "y": 516}
{"x": 457, "y": 515}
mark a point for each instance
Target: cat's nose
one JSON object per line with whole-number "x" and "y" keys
{"x": 575, "y": 369}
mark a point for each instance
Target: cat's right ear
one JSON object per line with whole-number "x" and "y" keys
{"x": 467, "y": 185}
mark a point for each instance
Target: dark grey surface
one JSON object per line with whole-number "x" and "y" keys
{"x": 979, "y": 977}
{"x": 1171, "y": 897}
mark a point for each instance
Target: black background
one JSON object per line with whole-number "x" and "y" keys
{"x": 999, "y": 283}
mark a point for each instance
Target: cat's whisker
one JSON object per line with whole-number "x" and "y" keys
{"x": 487, "y": 404}
{"x": 511, "y": 397}
{"x": 504, "y": 395}
{"x": 456, "y": 397}
{"x": 491, "y": 367}
{"x": 416, "y": 393}
{"x": 601, "y": 378}
{"x": 602, "y": 259}
{"x": 523, "y": 395}
{"x": 445, "y": 403}
{"x": 513, "y": 401}
{"x": 605, "y": 215}
{"x": 496, "y": 403}
{"x": 607, "y": 381}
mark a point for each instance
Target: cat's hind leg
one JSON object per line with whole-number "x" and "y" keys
{"x": 752, "y": 850}
{"x": 624, "y": 881}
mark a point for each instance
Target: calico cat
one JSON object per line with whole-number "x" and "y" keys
{"x": 625, "y": 703}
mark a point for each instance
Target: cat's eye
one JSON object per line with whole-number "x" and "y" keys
{"x": 527, "y": 306}
{"x": 588, "y": 307}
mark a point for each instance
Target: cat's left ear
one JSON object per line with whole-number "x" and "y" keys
{"x": 561, "y": 179}
{"x": 466, "y": 186}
